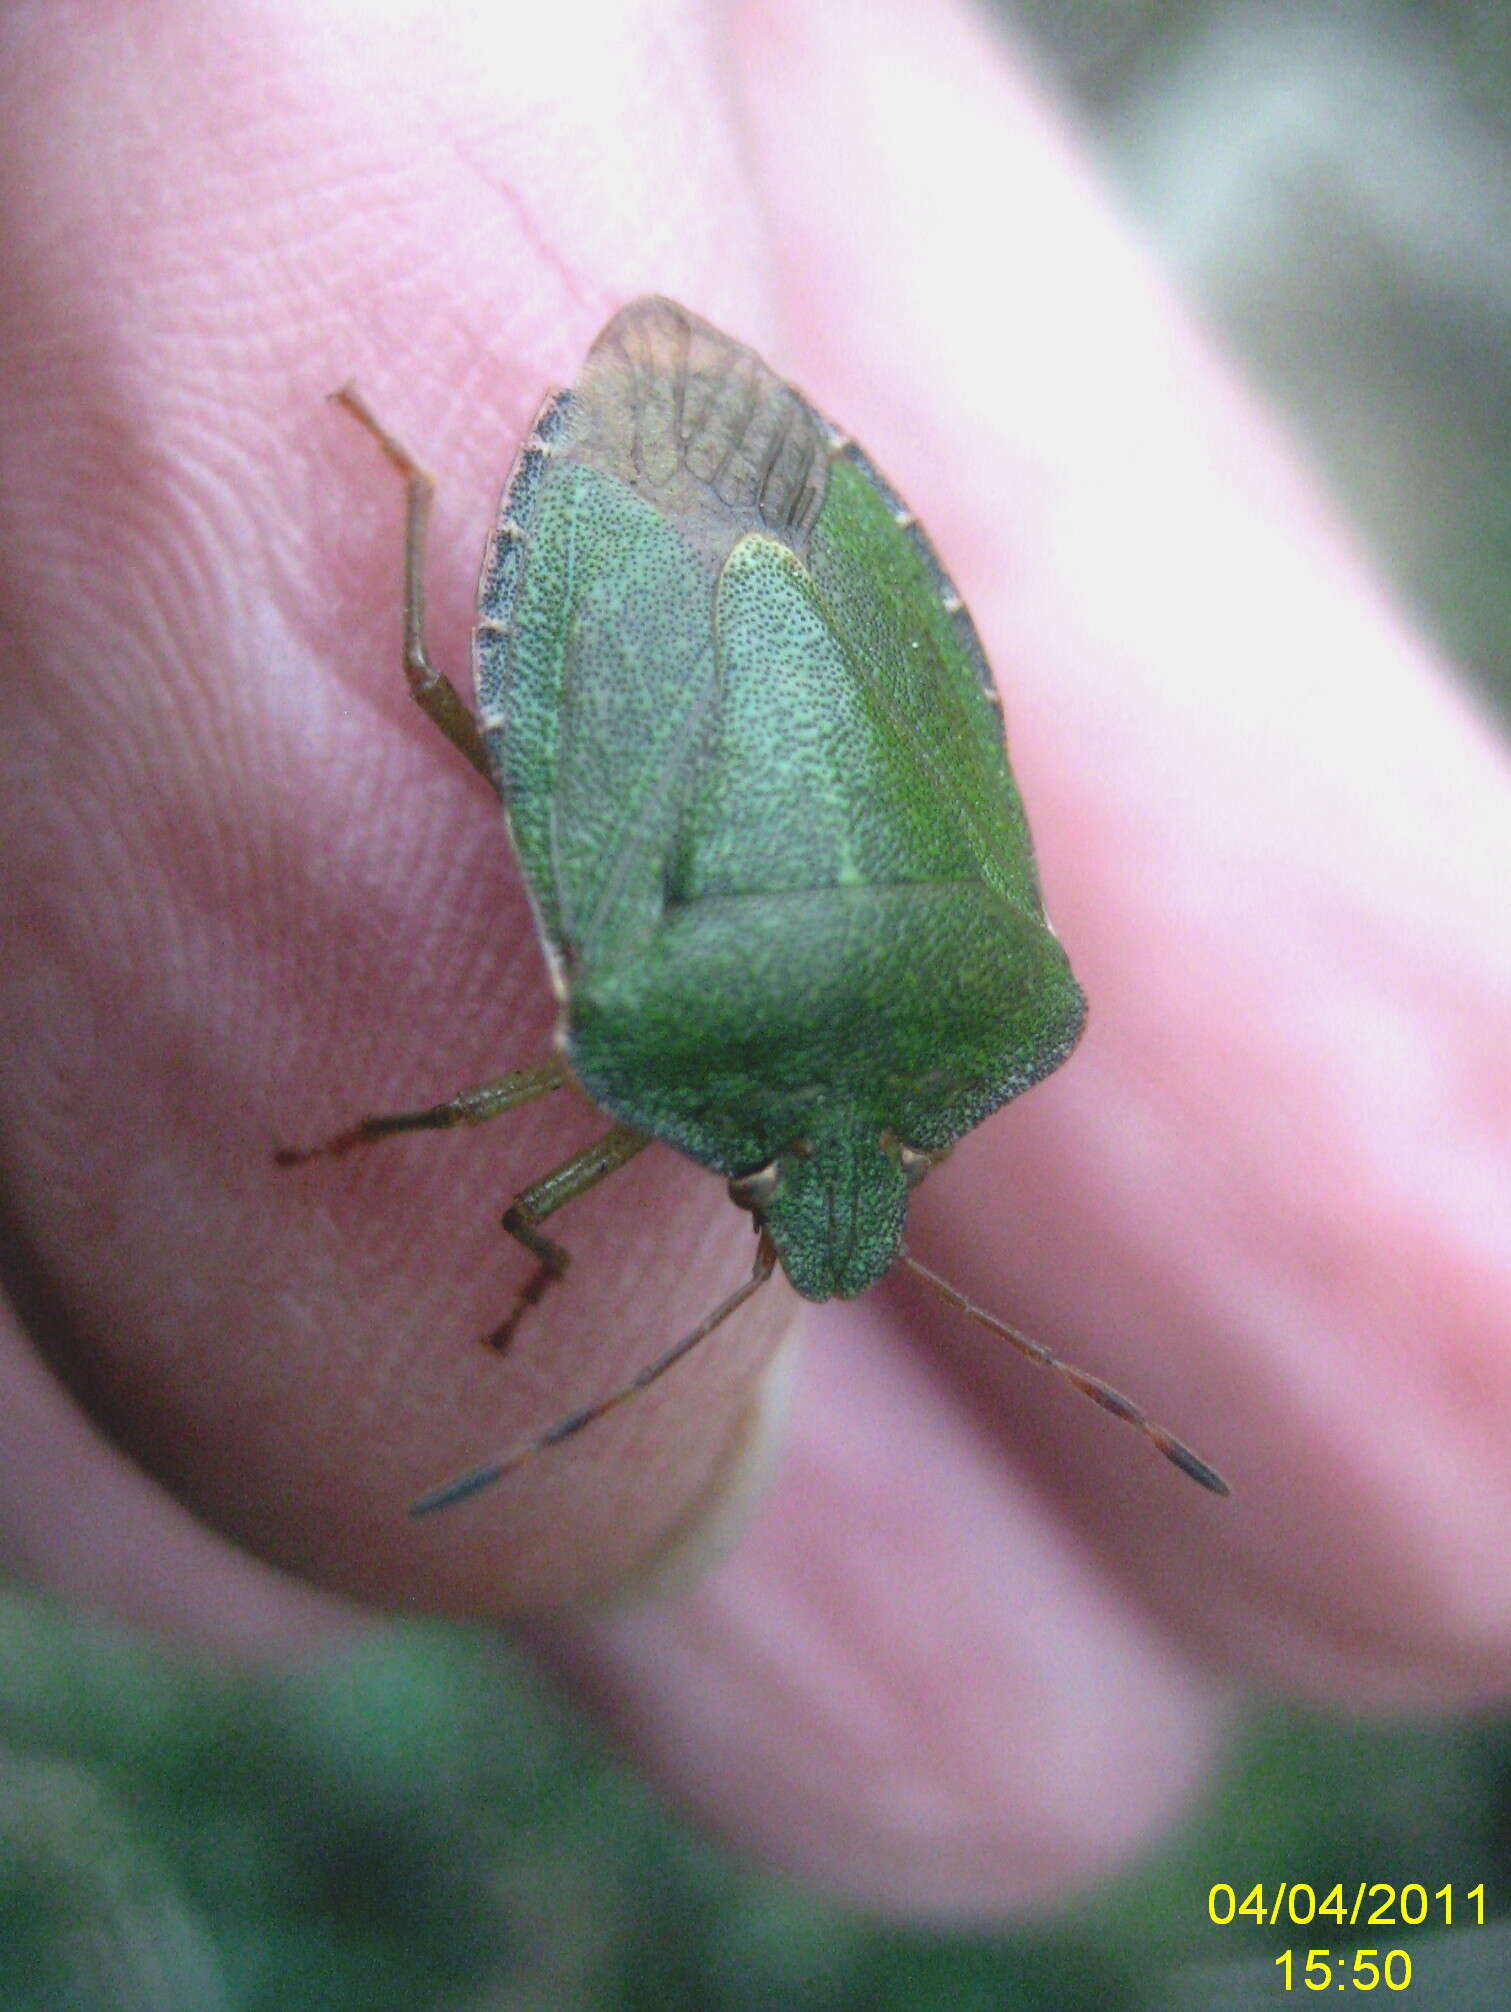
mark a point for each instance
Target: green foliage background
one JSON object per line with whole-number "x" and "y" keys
{"x": 419, "y": 1824}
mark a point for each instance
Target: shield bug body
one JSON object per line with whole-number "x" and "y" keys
{"x": 754, "y": 772}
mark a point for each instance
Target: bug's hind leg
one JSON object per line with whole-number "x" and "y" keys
{"x": 529, "y": 1210}
{"x": 431, "y": 690}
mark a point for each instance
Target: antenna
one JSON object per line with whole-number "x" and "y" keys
{"x": 478, "y": 1478}
{"x": 1174, "y": 1450}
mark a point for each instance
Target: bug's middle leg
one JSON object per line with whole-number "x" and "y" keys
{"x": 432, "y": 691}
{"x": 542, "y": 1198}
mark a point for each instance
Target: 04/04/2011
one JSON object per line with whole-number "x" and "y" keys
{"x": 1367, "y": 1904}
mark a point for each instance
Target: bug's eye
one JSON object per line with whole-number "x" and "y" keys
{"x": 915, "y": 1164}
{"x": 754, "y": 1191}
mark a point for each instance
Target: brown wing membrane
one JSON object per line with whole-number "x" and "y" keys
{"x": 696, "y": 423}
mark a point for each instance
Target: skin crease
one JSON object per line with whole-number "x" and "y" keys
{"x": 978, "y": 1643}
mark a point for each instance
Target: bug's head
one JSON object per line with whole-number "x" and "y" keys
{"x": 835, "y": 1207}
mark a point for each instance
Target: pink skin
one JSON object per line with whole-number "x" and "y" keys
{"x": 978, "y": 1642}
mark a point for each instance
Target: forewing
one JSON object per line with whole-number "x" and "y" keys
{"x": 596, "y": 669}
{"x": 901, "y": 619}
{"x": 729, "y": 662}
{"x": 806, "y": 780}
{"x": 601, "y": 685}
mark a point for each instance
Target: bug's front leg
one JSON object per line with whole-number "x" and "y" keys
{"x": 431, "y": 690}
{"x": 469, "y": 1107}
{"x": 542, "y": 1198}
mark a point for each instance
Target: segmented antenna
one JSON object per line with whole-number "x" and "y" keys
{"x": 1175, "y": 1450}
{"x": 478, "y": 1478}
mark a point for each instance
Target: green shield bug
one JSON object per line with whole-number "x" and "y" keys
{"x": 753, "y": 768}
